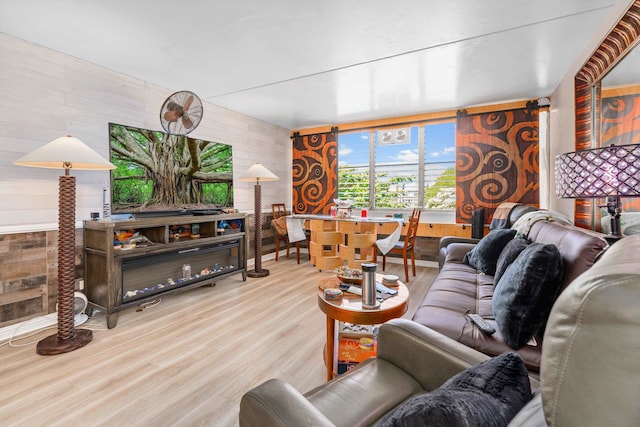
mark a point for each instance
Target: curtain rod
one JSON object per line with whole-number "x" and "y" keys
{"x": 530, "y": 105}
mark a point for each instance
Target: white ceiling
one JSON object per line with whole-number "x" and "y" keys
{"x": 304, "y": 63}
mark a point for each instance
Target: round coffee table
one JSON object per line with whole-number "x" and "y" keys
{"x": 349, "y": 309}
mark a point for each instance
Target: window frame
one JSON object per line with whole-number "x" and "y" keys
{"x": 421, "y": 163}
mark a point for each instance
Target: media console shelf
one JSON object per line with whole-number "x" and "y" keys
{"x": 172, "y": 253}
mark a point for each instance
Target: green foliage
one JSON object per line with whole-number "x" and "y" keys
{"x": 155, "y": 168}
{"x": 390, "y": 191}
{"x": 353, "y": 185}
{"x": 130, "y": 191}
{"x": 442, "y": 194}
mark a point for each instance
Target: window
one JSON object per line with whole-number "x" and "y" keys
{"x": 400, "y": 167}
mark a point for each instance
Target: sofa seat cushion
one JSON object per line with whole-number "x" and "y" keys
{"x": 460, "y": 289}
{"x": 370, "y": 390}
{"x": 489, "y": 394}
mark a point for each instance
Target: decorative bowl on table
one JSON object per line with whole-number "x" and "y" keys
{"x": 349, "y": 275}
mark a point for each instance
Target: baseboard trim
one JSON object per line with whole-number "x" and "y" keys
{"x": 393, "y": 260}
{"x": 28, "y": 326}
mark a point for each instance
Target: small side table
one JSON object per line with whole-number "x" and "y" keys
{"x": 349, "y": 309}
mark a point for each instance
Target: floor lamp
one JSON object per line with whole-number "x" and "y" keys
{"x": 65, "y": 153}
{"x": 258, "y": 173}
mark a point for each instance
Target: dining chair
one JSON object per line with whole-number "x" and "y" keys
{"x": 406, "y": 247}
{"x": 279, "y": 213}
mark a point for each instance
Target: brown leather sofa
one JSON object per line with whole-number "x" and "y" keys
{"x": 460, "y": 288}
{"x": 589, "y": 373}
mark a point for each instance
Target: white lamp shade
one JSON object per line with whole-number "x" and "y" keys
{"x": 65, "y": 150}
{"x": 257, "y": 172}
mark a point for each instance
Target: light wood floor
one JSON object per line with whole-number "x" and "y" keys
{"x": 185, "y": 362}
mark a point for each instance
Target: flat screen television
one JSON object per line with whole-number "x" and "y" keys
{"x": 161, "y": 173}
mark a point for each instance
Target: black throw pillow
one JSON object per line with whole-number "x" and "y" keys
{"x": 488, "y": 394}
{"x": 508, "y": 255}
{"x": 484, "y": 255}
{"x": 523, "y": 296}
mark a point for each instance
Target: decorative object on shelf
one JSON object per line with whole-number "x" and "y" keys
{"x": 181, "y": 113}
{"x": 611, "y": 172}
{"x": 106, "y": 206}
{"x": 258, "y": 173}
{"x": 65, "y": 153}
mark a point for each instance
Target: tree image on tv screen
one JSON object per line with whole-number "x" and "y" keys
{"x": 160, "y": 171}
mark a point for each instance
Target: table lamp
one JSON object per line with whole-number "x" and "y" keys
{"x": 611, "y": 172}
{"x": 258, "y": 173}
{"x": 65, "y": 153}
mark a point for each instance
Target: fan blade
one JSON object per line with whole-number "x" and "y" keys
{"x": 172, "y": 116}
{"x": 188, "y": 103}
{"x": 173, "y": 106}
{"x": 186, "y": 121}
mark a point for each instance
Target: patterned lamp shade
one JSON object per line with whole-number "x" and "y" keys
{"x": 600, "y": 172}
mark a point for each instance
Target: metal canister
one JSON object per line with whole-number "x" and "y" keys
{"x": 186, "y": 271}
{"x": 369, "y": 286}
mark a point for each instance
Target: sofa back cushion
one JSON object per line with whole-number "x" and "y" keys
{"x": 525, "y": 293}
{"x": 508, "y": 255}
{"x": 579, "y": 248}
{"x": 484, "y": 256}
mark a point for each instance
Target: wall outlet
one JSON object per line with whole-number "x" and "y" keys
{"x": 81, "y": 284}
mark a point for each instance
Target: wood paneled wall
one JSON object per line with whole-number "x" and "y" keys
{"x": 28, "y": 274}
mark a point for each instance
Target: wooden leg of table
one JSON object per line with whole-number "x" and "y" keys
{"x": 331, "y": 329}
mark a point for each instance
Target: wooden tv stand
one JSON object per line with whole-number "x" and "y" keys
{"x": 121, "y": 277}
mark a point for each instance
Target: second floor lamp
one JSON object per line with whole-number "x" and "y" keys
{"x": 258, "y": 173}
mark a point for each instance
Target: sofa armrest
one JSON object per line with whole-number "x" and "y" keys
{"x": 455, "y": 252}
{"x": 447, "y": 240}
{"x": 444, "y": 243}
{"x": 276, "y": 403}
{"x": 428, "y": 356}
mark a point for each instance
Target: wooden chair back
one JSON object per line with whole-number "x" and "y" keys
{"x": 278, "y": 210}
{"x": 412, "y": 230}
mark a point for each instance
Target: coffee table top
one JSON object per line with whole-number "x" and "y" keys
{"x": 349, "y": 307}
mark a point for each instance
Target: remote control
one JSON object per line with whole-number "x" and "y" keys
{"x": 385, "y": 290}
{"x": 355, "y": 290}
{"x": 482, "y": 324}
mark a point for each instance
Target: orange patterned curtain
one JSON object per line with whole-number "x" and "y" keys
{"x": 621, "y": 126}
{"x": 315, "y": 172}
{"x": 496, "y": 160}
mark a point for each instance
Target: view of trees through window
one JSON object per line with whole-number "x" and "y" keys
{"x": 401, "y": 167}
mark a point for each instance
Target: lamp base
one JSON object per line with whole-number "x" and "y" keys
{"x": 51, "y": 345}
{"x": 612, "y": 238}
{"x": 263, "y": 272}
